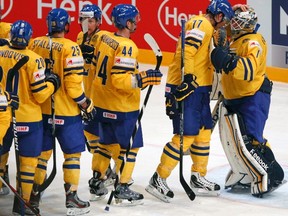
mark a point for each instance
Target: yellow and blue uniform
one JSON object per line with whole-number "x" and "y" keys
{"x": 32, "y": 90}
{"x": 68, "y": 64}
{"x": 197, "y": 113}
{"x": 116, "y": 100}
{"x": 5, "y": 30}
{"x": 246, "y": 88}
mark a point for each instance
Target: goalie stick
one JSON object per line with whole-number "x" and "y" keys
{"x": 10, "y": 88}
{"x": 183, "y": 182}
{"x": 158, "y": 54}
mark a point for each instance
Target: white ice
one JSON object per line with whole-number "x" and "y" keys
{"x": 157, "y": 131}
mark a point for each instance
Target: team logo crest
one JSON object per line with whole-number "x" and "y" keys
{"x": 5, "y": 7}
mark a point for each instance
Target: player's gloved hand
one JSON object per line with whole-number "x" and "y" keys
{"x": 186, "y": 88}
{"x": 172, "y": 106}
{"x": 3, "y": 42}
{"x": 54, "y": 79}
{"x": 220, "y": 38}
{"x": 88, "y": 53}
{"x": 149, "y": 77}
{"x": 12, "y": 99}
{"x": 88, "y": 110}
{"x": 223, "y": 60}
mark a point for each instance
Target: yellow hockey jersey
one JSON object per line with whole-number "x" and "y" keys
{"x": 5, "y": 115}
{"x": 5, "y": 30}
{"x": 116, "y": 62}
{"x": 198, "y": 34}
{"x": 88, "y": 75}
{"x": 68, "y": 64}
{"x": 29, "y": 83}
{"x": 249, "y": 73}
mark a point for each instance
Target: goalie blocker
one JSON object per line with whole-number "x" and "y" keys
{"x": 250, "y": 165}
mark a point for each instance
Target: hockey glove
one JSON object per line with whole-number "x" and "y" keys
{"x": 54, "y": 79}
{"x": 172, "y": 106}
{"x": 220, "y": 38}
{"x": 221, "y": 59}
{"x": 186, "y": 88}
{"x": 149, "y": 77}
{"x": 88, "y": 110}
{"x": 3, "y": 42}
{"x": 12, "y": 99}
{"x": 88, "y": 53}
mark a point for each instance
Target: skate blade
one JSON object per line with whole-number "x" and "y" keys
{"x": 153, "y": 191}
{"x": 126, "y": 202}
{"x": 204, "y": 192}
{"x": 94, "y": 197}
{"x": 77, "y": 211}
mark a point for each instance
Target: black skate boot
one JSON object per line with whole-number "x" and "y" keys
{"x": 201, "y": 186}
{"x": 20, "y": 209}
{"x": 74, "y": 205}
{"x": 126, "y": 197}
{"x": 110, "y": 177}
{"x": 4, "y": 190}
{"x": 35, "y": 196}
{"x": 159, "y": 188}
{"x": 98, "y": 190}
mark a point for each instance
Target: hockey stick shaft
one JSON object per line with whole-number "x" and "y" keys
{"x": 154, "y": 46}
{"x": 53, "y": 173}
{"x": 19, "y": 197}
{"x": 10, "y": 77}
{"x": 183, "y": 182}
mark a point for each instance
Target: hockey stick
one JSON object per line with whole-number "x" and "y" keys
{"x": 19, "y": 197}
{"x": 154, "y": 46}
{"x": 183, "y": 182}
{"x": 53, "y": 173}
{"x": 10, "y": 77}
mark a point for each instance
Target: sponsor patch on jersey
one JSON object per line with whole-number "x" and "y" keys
{"x": 109, "y": 115}
{"x": 167, "y": 89}
{"x": 3, "y": 101}
{"x": 56, "y": 121}
{"x": 75, "y": 61}
{"x": 39, "y": 75}
{"x": 195, "y": 33}
{"x": 125, "y": 62}
{"x": 22, "y": 128}
{"x": 253, "y": 44}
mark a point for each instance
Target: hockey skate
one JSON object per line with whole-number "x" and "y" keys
{"x": 4, "y": 190}
{"x": 74, "y": 205}
{"x": 35, "y": 196}
{"x": 21, "y": 209}
{"x": 98, "y": 190}
{"x": 110, "y": 176}
{"x": 159, "y": 188}
{"x": 124, "y": 196}
{"x": 202, "y": 187}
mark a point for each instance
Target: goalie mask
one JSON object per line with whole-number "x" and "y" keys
{"x": 243, "y": 22}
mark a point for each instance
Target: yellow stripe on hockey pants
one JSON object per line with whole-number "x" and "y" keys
{"x": 129, "y": 165}
{"x": 102, "y": 157}
{"x": 27, "y": 171}
{"x": 199, "y": 152}
{"x": 41, "y": 169}
{"x": 3, "y": 162}
{"x": 71, "y": 169}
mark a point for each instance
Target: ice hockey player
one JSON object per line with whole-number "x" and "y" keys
{"x": 196, "y": 100}
{"x": 247, "y": 93}
{"x": 64, "y": 57}
{"x": 33, "y": 88}
{"x": 90, "y": 19}
{"x": 117, "y": 78}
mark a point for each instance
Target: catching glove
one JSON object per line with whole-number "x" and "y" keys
{"x": 54, "y": 79}
{"x": 12, "y": 99}
{"x": 220, "y": 38}
{"x": 88, "y": 53}
{"x": 149, "y": 77}
{"x": 89, "y": 111}
{"x": 186, "y": 88}
{"x": 222, "y": 59}
{"x": 172, "y": 106}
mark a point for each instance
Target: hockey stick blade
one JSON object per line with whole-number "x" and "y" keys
{"x": 13, "y": 70}
{"x": 187, "y": 188}
{"x": 154, "y": 46}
